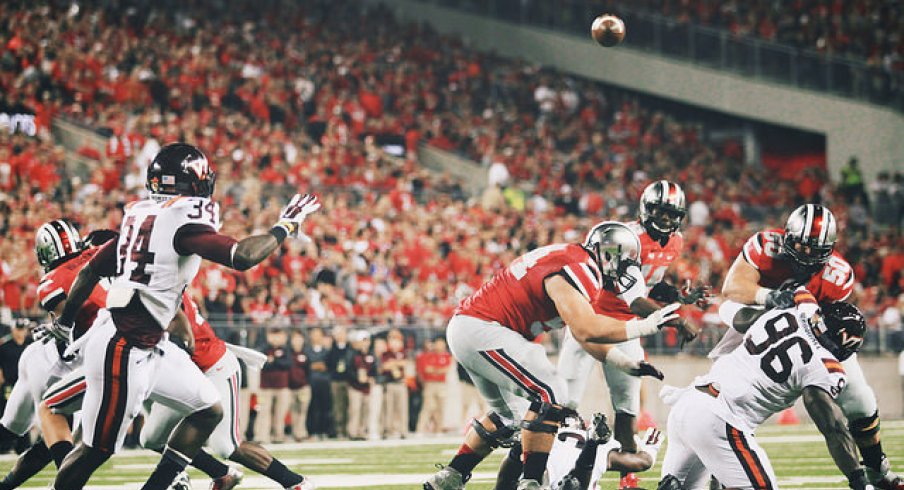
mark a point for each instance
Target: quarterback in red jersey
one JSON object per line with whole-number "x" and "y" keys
{"x": 491, "y": 332}
{"x": 771, "y": 265}
{"x": 662, "y": 209}
{"x": 61, "y": 253}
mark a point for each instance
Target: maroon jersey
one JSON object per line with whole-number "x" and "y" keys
{"x": 55, "y": 286}
{"x": 516, "y": 296}
{"x": 834, "y": 282}
{"x": 656, "y": 258}
{"x": 209, "y": 348}
{"x": 363, "y": 368}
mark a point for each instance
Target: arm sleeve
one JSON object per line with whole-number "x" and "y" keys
{"x": 203, "y": 240}
{"x": 754, "y": 250}
{"x": 104, "y": 261}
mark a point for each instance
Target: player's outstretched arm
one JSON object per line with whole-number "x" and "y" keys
{"x": 246, "y": 253}
{"x": 587, "y": 326}
{"x": 103, "y": 264}
{"x": 831, "y": 423}
{"x": 742, "y": 282}
{"x": 643, "y": 459}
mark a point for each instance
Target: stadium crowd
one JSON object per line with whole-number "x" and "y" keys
{"x": 858, "y": 29}
{"x": 341, "y": 111}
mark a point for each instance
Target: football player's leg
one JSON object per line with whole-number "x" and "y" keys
{"x": 858, "y": 402}
{"x": 61, "y": 400}
{"x": 19, "y": 413}
{"x": 117, "y": 377}
{"x": 180, "y": 385}
{"x": 733, "y": 456}
{"x": 681, "y": 462}
{"x": 624, "y": 391}
{"x": 575, "y": 366}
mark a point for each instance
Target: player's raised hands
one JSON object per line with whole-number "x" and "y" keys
{"x": 294, "y": 214}
{"x": 700, "y": 295}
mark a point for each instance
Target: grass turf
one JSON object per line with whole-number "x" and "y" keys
{"x": 798, "y": 455}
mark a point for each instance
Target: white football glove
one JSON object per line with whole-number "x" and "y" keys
{"x": 294, "y": 214}
{"x": 642, "y": 327}
{"x": 650, "y": 442}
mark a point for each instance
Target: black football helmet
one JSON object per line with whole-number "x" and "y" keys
{"x": 180, "y": 169}
{"x": 662, "y": 209}
{"x": 56, "y": 240}
{"x": 843, "y": 329}
{"x": 615, "y": 248}
{"x": 810, "y": 235}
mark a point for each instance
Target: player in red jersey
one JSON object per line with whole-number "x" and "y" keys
{"x": 662, "y": 209}
{"x": 61, "y": 253}
{"x": 771, "y": 265}
{"x": 491, "y": 335}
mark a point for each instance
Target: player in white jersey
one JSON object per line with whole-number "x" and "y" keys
{"x": 580, "y": 456}
{"x": 127, "y": 356}
{"x": 786, "y": 354}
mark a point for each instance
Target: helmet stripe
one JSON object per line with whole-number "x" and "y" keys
{"x": 56, "y": 233}
{"x": 808, "y": 221}
{"x": 664, "y": 191}
{"x": 825, "y": 223}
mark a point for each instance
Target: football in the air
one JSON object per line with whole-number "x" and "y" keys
{"x": 608, "y": 30}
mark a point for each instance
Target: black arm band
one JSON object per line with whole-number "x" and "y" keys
{"x": 279, "y": 233}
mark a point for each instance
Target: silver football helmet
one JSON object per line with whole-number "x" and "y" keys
{"x": 54, "y": 240}
{"x": 615, "y": 248}
{"x": 662, "y": 209}
{"x": 810, "y": 235}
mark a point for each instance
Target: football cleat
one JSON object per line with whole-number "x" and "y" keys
{"x": 529, "y": 485}
{"x": 230, "y": 480}
{"x": 182, "y": 482}
{"x": 305, "y": 484}
{"x": 447, "y": 478}
{"x": 599, "y": 429}
{"x": 569, "y": 482}
{"x": 884, "y": 478}
{"x": 630, "y": 480}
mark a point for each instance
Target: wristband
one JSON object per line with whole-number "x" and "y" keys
{"x": 282, "y": 230}
{"x": 761, "y": 294}
{"x": 640, "y": 328}
{"x": 620, "y": 360}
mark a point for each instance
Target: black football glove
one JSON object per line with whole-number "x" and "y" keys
{"x": 644, "y": 368}
{"x": 700, "y": 295}
{"x": 780, "y": 299}
{"x": 664, "y": 292}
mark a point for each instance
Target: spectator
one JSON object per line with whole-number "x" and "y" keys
{"x": 378, "y": 390}
{"x": 273, "y": 401}
{"x": 10, "y": 352}
{"x": 432, "y": 368}
{"x": 852, "y": 181}
{"x": 361, "y": 379}
{"x": 300, "y": 390}
{"x": 339, "y": 362}
{"x": 319, "y": 413}
{"x": 393, "y": 365}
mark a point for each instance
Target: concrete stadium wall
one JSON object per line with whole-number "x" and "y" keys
{"x": 874, "y": 134}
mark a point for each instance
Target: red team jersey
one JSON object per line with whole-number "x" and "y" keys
{"x": 516, "y": 296}
{"x": 208, "y": 347}
{"x": 834, "y": 282}
{"x": 655, "y": 258}
{"x": 55, "y": 285}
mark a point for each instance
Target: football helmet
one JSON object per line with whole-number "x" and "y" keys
{"x": 180, "y": 169}
{"x": 662, "y": 209}
{"x": 615, "y": 248}
{"x": 56, "y": 240}
{"x": 809, "y": 239}
{"x": 842, "y": 329}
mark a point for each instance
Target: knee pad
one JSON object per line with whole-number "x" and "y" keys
{"x": 670, "y": 483}
{"x": 546, "y": 412}
{"x": 503, "y": 436}
{"x": 866, "y": 427}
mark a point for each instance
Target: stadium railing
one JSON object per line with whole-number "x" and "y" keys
{"x": 248, "y": 330}
{"x": 715, "y": 48}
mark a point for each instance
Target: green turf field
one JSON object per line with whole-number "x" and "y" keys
{"x": 797, "y": 453}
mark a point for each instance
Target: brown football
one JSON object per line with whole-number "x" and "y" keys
{"x": 608, "y": 30}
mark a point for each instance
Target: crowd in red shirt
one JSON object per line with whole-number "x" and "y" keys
{"x": 293, "y": 104}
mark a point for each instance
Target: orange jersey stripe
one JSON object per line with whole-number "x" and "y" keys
{"x": 751, "y": 462}
{"x": 833, "y": 366}
{"x": 114, "y": 395}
